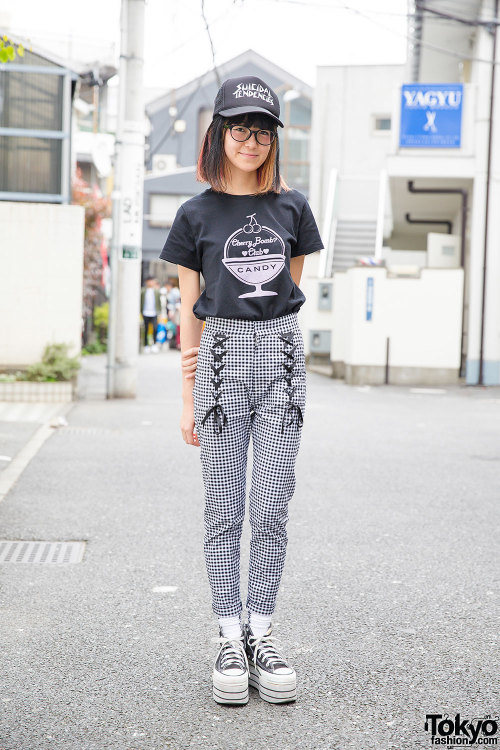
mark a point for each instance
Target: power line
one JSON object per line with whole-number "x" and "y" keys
{"x": 211, "y": 42}
{"x": 200, "y": 31}
{"x": 178, "y": 116}
{"x": 328, "y": 7}
{"x": 409, "y": 37}
{"x": 458, "y": 19}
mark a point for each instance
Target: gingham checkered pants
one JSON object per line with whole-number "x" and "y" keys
{"x": 250, "y": 381}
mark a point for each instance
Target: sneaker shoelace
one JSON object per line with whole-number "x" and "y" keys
{"x": 233, "y": 653}
{"x": 265, "y": 644}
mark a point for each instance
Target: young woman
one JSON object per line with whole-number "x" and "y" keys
{"x": 244, "y": 370}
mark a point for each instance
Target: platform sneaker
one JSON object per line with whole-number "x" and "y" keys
{"x": 269, "y": 671}
{"x": 230, "y": 675}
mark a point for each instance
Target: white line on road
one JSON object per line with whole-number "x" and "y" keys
{"x": 428, "y": 390}
{"x": 11, "y": 474}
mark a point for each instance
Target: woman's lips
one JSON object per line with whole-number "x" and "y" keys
{"x": 250, "y": 156}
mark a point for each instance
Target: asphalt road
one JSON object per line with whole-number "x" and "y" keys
{"x": 388, "y": 608}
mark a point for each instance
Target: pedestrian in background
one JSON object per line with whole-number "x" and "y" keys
{"x": 173, "y": 295}
{"x": 248, "y": 235}
{"x": 150, "y": 309}
{"x": 174, "y": 306}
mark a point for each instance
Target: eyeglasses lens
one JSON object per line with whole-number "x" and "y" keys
{"x": 264, "y": 137}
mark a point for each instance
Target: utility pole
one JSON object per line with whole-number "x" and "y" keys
{"x": 126, "y": 254}
{"x": 488, "y": 188}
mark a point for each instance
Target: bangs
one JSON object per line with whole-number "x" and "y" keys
{"x": 253, "y": 119}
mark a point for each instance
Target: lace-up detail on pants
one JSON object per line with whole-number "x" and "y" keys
{"x": 218, "y": 350}
{"x": 293, "y": 411}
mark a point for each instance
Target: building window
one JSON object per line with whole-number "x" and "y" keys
{"x": 30, "y": 165}
{"x": 31, "y": 101}
{"x": 162, "y": 209}
{"x": 34, "y": 138}
{"x": 382, "y": 123}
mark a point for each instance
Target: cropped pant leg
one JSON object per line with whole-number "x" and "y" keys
{"x": 280, "y": 395}
{"x": 222, "y": 419}
{"x": 250, "y": 380}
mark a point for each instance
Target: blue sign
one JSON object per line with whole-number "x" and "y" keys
{"x": 369, "y": 297}
{"x": 431, "y": 115}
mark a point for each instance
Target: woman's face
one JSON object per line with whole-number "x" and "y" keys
{"x": 246, "y": 156}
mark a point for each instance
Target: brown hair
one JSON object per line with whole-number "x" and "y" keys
{"x": 212, "y": 161}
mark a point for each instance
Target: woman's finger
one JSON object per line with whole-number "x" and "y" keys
{"x": 189, "y": 363}
{"x": 191, "y": 438}
{"x": 190, "y": 352}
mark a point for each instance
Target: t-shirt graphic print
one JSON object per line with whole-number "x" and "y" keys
{"x": 242, "y": 244}
{"x": 255, "y": 254}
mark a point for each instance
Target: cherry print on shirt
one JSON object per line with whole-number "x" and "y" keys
{"x": 255, "y": 255}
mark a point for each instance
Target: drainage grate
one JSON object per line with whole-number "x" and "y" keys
{"x": 59, "y": 553}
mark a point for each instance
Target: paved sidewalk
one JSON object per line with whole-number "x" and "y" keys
{"x": 19, "y": 422}
{"x": 388, "y": 607}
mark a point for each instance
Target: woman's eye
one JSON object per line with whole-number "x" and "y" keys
{"x": 239, "y": 129}
{"x": 266, "y": 133}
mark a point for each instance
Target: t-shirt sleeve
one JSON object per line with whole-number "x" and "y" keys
{"x": 308, "y": 237}
{"x": 180, "y": 246}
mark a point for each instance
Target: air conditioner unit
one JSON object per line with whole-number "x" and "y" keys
{"x": 164, "y": 163}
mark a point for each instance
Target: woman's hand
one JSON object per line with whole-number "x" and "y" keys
{"x": 189, "y": 360}
{"x": 187, "y": 425}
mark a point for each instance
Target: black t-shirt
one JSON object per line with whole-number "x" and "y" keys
{"x": 242, "y": 244}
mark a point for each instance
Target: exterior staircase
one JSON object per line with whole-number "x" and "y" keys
{"x": 354, "y": 239}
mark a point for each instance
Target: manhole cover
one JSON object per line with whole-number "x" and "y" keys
{"x": 59, "y": 553}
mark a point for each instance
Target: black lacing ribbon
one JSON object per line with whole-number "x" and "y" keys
{"x": 219, "y": 417}
{"x": 293, "y": 411}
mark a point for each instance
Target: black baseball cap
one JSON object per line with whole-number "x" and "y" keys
{"x": 237, "y": 96}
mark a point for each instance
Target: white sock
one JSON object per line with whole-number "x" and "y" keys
{"x": 231, "y": 626}
{"x": 259, "y": 623}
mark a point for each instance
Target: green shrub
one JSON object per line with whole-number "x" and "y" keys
{"x": 95, "y": 347}
{"x": 101, "y": 321}
{"x": 56, "y": 365}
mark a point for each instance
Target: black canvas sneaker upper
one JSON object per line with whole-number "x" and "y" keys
{"x": 231, "y": 658}
{"x": 262, "y": 652}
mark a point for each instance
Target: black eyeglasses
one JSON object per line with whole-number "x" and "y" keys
{"x": 241, "y": 133}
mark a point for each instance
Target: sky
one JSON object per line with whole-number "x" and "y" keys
{"x": 297, "y": 35}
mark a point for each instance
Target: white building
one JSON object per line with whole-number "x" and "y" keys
{"x": 399, "y": 175}
{"x": 41, "y": 263}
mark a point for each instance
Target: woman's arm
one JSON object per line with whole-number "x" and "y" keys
{"x": 296, "y": 265}
{"x": 191, "y": 328}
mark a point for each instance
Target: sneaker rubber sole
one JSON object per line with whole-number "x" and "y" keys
{"x": 230, "y": 688}
{"x": 273, "y": 688}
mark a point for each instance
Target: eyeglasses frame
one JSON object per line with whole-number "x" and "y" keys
{"x": 255, "y": 132}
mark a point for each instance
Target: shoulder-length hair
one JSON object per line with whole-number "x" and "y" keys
{"x": 213, "y": 164}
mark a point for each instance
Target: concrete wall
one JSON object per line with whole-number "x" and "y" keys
{"x": 41, "y": 272}
{"x": 421, "y": 316}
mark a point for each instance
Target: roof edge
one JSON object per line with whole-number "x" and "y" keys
{"x": 226, "y": 69}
